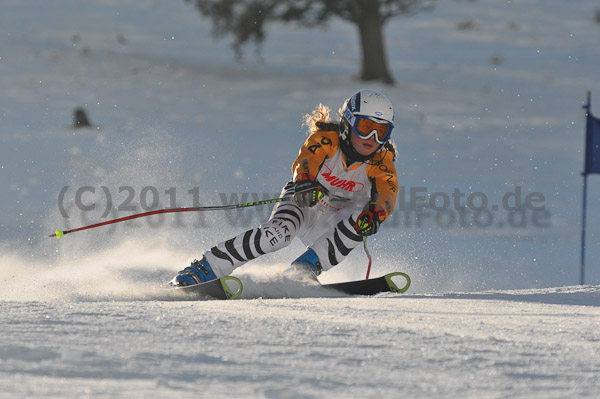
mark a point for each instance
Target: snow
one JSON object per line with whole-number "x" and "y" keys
{"x": 416, "y": 346}
{"x": 493, "y": 311}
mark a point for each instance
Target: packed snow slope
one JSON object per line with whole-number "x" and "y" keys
{"x": 418, "y": 347}
{"x": 488, "y": 105}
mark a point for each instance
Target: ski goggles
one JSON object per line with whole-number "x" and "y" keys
{"x": 365, "y": 127}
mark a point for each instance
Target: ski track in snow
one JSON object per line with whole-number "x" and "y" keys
{"x": 90, "y": 327}
{"x": 415, "y": 346}
{"x": 118, "y": 337}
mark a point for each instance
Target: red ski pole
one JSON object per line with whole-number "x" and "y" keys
{"x": 368, "y": 256}
{"x": 60, "y": 233}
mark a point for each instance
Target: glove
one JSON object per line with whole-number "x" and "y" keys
{"x": 307, "y": 191}
{"x": 369, "y": 220}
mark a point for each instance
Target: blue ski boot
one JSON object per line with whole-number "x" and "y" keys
{"x": 198, "y": 272}
{"x": 308, "y": 263}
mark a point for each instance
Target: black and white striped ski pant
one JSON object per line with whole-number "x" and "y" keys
{"x": 329, "y": 233}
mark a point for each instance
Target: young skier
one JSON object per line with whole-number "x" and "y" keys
{"x": 344, "y": 185}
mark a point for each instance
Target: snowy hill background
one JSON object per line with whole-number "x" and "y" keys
{"x": 488, "y": 99}
{"x": 483, "y": 109}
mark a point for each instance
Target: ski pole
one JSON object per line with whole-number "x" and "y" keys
{"x": 59, "y": 233}
{"x": 368, "y": 256}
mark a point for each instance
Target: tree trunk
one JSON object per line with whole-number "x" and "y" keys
{"x": 374, "y": 60}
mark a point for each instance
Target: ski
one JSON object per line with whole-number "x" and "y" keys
{"x": 373, "y": 286}
{"x": 228, "y": 287}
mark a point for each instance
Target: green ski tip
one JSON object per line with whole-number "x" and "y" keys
{"x": 59, "y": 234}
{"x": 228, "y": 293}
{"x": 393, "y": 286}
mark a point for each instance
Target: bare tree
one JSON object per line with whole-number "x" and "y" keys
{"x": 245, "y": 20}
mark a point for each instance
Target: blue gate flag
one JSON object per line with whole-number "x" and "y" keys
{"x": 592, "y": 144}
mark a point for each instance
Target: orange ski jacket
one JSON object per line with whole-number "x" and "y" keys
{"x": 374, "y": 181}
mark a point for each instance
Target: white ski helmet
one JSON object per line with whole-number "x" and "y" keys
{"x": 367, "y": 113}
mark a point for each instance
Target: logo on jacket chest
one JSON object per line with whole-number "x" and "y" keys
{"x": 343, "y": 184}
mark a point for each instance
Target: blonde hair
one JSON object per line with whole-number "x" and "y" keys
{"x": 317, "y": 118}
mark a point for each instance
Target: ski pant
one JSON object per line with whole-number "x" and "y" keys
{"x": 330, "y": 233}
